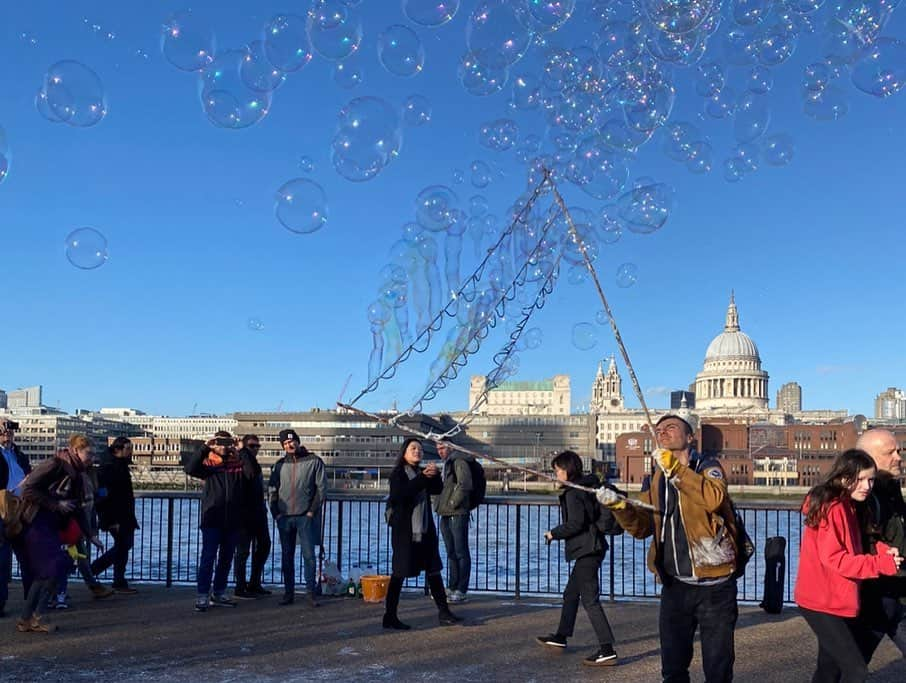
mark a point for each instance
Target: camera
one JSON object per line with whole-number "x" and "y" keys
{"x": 9, "y": 426}
{"x": 223, "y": 441}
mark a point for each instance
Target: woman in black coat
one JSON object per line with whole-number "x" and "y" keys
{"x": 115, "y": 504}
{"x": 413, "y": 536}
{"x": 585, "y": 547}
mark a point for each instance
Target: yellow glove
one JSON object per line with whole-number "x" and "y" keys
{"x": 666, "y": 461}
{"x": 73, "y": 551}
{"x": 610, "y": 499}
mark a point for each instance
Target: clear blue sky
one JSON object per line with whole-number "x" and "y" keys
{"x": 813, "y": 249}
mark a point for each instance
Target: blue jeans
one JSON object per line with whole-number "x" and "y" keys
{"x": 291, "y": 528}
{"x": 455, "y": 530}
{"x": 6, "y": 567}
{"x": 219, "y": 545}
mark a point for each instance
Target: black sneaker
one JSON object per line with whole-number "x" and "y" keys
{"x": 201, "y": 603}
{"x": 259, "y": 591}
{"x": 222, "y": 601}
{"x": 603, "y": 657}
{"x": 287, "y": 600}
{"x": 553, "y": 640}
{"x": 244, "y": 594}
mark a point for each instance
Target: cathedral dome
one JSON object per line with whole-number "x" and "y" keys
{"x": 732, "y": 344}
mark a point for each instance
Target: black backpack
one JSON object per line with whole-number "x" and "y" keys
{"x": 745, "y": 548}
{"x": 605, "y": 521}
{"x": 479, "y": 484}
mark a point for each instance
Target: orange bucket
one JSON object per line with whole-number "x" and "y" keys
{"x": 374, "y": 588}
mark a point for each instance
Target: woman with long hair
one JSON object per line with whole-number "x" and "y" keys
{"x": 585, "y": 547}
{"x": 832, "y": 564}
{"x": 413, "y": 536}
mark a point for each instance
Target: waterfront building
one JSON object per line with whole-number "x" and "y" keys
{"x": 546, "y": 397}
{"x": 891, "y": 404}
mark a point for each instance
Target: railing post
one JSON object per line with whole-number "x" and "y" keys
{"x": 612, "y": 568}
{"x": 339, "y": 534}
{"x": 170, "y": 503}
{"x": 518, "y": 548}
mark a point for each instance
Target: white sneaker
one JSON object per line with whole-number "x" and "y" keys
{"x": 456, "y": 596}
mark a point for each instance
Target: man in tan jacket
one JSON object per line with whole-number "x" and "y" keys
{"x": 693, "y": 552}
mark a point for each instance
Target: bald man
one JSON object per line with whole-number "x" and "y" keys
{"x": 883, "y": 601}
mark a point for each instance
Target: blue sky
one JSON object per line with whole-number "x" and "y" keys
{"x": 811, "y": 249}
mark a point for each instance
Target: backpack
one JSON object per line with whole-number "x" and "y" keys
{"x": 479, "y": 484}
{"x": 745, "y": 548}
{"x": 12, "y": 514}
{"x": 604, "y": 520}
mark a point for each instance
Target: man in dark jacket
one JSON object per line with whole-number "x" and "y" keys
{"x": 227, "y": 474}
{"x": 883, "y": 601}
{"x": 115, "y": 505}
{"x": 693, "y": 552}
{"x": 297, "y": 487}
{"x": 453, "y": 508}
{"x": 254, "y": 537}
{"x": 14, "y": 467}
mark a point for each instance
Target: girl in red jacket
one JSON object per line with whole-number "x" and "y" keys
{"x": 831, "y": 565}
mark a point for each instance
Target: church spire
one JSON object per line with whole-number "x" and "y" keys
{"x": 732, "y": 324}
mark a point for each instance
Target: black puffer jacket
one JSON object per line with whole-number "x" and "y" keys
{"x": 228, "y": 486}
{"x": 577, "y": 522}
{"x": 114, "y": 500}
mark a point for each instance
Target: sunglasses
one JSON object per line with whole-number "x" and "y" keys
{"x": 254, "y": 445}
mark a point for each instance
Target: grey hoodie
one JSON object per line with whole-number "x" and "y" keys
{"x": 298, "y": 485}
{"x": 454, "y": 499}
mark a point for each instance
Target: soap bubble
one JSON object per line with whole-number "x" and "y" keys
{"x": 816, "y": 76}
{"x": 546, "y": 16}
{"x": 499, "y": 135}
{"x": 734, "y": 169}
{"x": 434, "y": 207}
{"x": 86, "y": 248}
{"x": 187, "y": 42}
{"x": 679, "y": 138}
{"x": 400, "y": 51}
{"x": 495, "y": 29}
{"x": 880, "y": 69}
{"x": 257, "y": 72}
{"x": 478, "y": 205}
{"x": 481, "y": 174}
{"x": 75, "y": 94}
{"x": 334, "y": 40}
{"x": 225, "y": 98}
{"x": 255, "y": 325}
{"x": 584, "y": 336}
{"x": 5, "y": 156}
{"x": 609, "y": 228}
{"x": 828, "y": 105}
{"x": 533, "y": 338}
{"x": 301, "y": 206}
{"x": 378, "y": 312}
{"x": 627, "y": 275}
{"x": 710, "y": 79}
{"x": 367, "y": 138}
{"x": 416, "y": 110}
{"x": 750, "y": 12}
{"x": 645, "y": 209}
{"x": 722, "y": 104}
{"x": 43, "y": 107}
{"x": 431, "y": 13}
{"x": 677, "y": 16}
{"x": 598, "y": 170}
{"x": 526, "y": 92}
{"x": 748, "y": 153}
{"x": 776, "y": 45}
{"x": 459, "y": 177}
{"x": 286, "y": 43}
{"x": 779, "y": 149}
{"x": 619, "y": 45}
{"x": 741, "y": 46}
{"x": 482, "y": 75}
{"x": 760, "y": 80}
{"x": 700, "y": 157}
{"x": 306, "y": 164}
{"x": 348, "y": 74}
{"x": 753, "y": 115}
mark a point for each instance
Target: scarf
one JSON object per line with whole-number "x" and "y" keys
{"x": 421, "y": 513}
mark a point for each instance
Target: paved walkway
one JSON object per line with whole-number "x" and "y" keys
{"x": 156, "y": 636}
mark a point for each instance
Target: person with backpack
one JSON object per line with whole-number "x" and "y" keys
{"x": 453, "y": 506}
{"x": 693, "y": 553}
{"x": 585, "y": 547}
{"x": 832, "y": 565}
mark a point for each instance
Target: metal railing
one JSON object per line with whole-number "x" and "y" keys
{"x": 509, "y": 555}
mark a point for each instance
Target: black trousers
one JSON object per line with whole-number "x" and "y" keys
{"x": 254, "y": 540}
{"x": 686, "y": 608}
{"x": 839, "y": 656}
{"x": 117, "y": 555}
{"x": 879, "y": 616}
{"x": 583, "y": 586}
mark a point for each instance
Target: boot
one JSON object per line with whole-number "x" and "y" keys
{"x": 444, "y": 615}
{"x": 391, "y": 604}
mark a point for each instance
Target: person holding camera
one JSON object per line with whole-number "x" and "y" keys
{"x": 227, "y": 474}
{"x": 14, "y": 467}
{"x": 413, "y": 536}
{"x": 297, "y": 488}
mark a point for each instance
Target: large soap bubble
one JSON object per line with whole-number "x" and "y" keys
{"x": 496, "y": 29}
{"x": 435, "y": 207}
{"x": 257, "y": 72}
{"x": 482, "y": 75}
{"x": 779, "y": 149}
{"x": 5, "y": 156}
{"x": 753, "y": 115}
{"x": 75, "y": 94}
{"x": 627, "y": 275}
{"x": 430, "y": 13}
{"x": 677, "y": 16}
{"x": 545, "y": 16}
{"x": 86, "y": 248}
{"x": 336, "y": 38}
{"x": 584, "y": 336}
{"x": 400, "y": 51}
{"x": 367, "y": 138}
{"x": 416, "y": 110}
{"x": 880, "y": 69}
{"x": 301, "y": 206}
{"x": 286, "y": 43}
{"x": 187, "y": 42}
{"x": 645, "y": 209}
{"x": 225, "y": 98}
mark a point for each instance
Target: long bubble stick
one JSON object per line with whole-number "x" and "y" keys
{"x": 574, "y": 234}
{"x": 485, "y": 456}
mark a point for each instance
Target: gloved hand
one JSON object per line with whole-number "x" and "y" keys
{"x": 610, "y": 498}
{"x": 74, "y": 553}
{"x": 666, "y": 461}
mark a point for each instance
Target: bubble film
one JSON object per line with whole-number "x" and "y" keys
{"x": 301, "y": 206}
